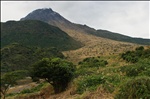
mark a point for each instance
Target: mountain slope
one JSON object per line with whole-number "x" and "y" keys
{"x": 36, "y": 33}
{"x": 119, "y": 37}
{"x": 53, "y": 18}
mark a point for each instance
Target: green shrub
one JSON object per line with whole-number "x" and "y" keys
{"x": 55, "y": 71}
{"x": 140, "y": 68}
{"x": 11, "y": 94}
{"x": 26, "y": 91}
{"x": 138, "y": 88}
{"x": 147, "y": 72}
{"x": 135, "y": 56}
{"x": 90, "y": 83}
{"x": 84, "y": 72}
{"x": 93, "y": 62}
{"x": 141, "y": 48}
{"x": 111, "y": 82}
{"x": 130, "y": 57}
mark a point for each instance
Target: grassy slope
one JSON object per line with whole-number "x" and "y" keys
{"x": 96, "y": 46}
{"x": 112, "y": 73}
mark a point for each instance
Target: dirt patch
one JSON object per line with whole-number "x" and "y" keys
{"x": 19, "y": 88}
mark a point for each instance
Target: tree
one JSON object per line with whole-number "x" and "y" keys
{"x": 55, "y": 71}
{"x": 9, "y": 79}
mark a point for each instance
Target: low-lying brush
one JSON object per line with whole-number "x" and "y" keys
{"x": 93, "y": 62}
{"x": 140, "y": 68}
{"x": 35, "y": 89}
{"x": 90, "y": 83}
{"x": 138, "y": 88}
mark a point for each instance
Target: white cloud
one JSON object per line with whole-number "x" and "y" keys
{"x": 126, "y": 17}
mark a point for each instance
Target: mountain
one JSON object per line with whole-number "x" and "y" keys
{"x": 19, "y": 57}
{"x": 36, "y": 33}
{"x": 93, "y": 45}
{"x": 53, "y": 18}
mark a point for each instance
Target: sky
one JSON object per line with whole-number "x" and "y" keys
{"x": 129, "y": 18}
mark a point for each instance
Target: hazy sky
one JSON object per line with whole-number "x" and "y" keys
{"x": 126, "y": 17}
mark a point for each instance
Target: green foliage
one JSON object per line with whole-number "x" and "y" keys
{"x": 9, "y": 79}
{"x": 113, "y": 77}
{"x": 90, "y": 83}
{"x": 56, "y": 71}
{"x": 19, "y": 57}
{"x": 129, "y": 56}
{"x": 11, "y": 94}
{"x": 135, "y": 56}
{"x": 138, "y": 88}
{"x": 140, "y": 68}
{"x": 84, "y": 72}
{"x": 93, "y": 62}
{"x": 146, "y": 53}
{"x": 91, "y": 78}
{"x": 141, "y": 48}
{"x": 112, "y": 81}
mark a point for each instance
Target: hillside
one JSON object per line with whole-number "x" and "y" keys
{"x": 19, "y": 57}
{"x": 108, "y": 77}
{"x": 98, "y": 47}
{"x": 36, "y": 33}
{"x": 53, "y": 18}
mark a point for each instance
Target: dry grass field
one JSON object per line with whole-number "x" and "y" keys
{"x": 95, "y": 46}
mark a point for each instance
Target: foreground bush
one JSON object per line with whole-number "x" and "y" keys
{"x": 55, "y": 71}
{"x": 138, "y": 88}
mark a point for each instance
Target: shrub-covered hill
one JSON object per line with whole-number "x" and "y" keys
{"x": 18, "y": 57}
{"x": 102, "y": 77}
{"x": 36, "y": 33}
